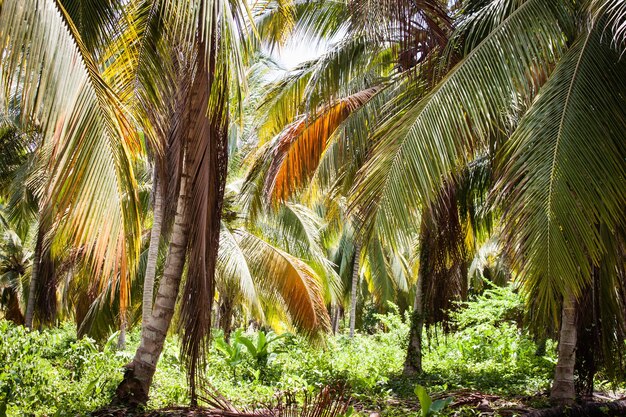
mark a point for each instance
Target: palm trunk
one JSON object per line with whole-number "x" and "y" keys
{"x": 121, "y": 340}
{"x": 334, "y": 309}
{"x": 153, "y": 251}
{"x": 226, "y": 317}
{"x": 413, "y": 361}
{"x": 13, "y": 312}
{"x": 133, "y": 390}
{"x": 563, "y": 390}
{"x": 355, "y": 283}
{"x": 34, "y": 277}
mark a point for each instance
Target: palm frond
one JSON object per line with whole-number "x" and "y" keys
{"x": 299, "y": 149}
{"x": 559, "y": 184}
{"x": 296, "y": 283}
{"x": 233, "y": 270}
{"x": 91, "y": 188}
{"x": 419, "y": 146}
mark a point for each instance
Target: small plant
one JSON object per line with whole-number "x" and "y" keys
{"x": 260, "y": 350}
{"x": 429, "y": 407}
{"x": 232, "y": 352}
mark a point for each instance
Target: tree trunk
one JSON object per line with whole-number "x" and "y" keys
{"x": 563, "y": 390}
{"x": 226, "y": 317}
{"x": 13, "y": 312}
{"x": 337, "y": 318}
{"x": 34, "y": 276}
{"x": 121, "y": 340}
{"x": 134, "y": 389}
{"x": 153, "y": 251}
{"x": 413, "y": 361}
{"x": 355, "y": 283}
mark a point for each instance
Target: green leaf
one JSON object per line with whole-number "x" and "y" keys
{"x": 424, "y": 399}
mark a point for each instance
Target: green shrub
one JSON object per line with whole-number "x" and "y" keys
{"x": 52, "y": 373}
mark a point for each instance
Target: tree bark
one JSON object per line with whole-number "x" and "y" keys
{"x": 338, "y": 312}
{"x": 153, "y": 251}
{"x": 226, "y": 317}
{"x": 355, "y": 283}
{"x": 413, "y": 361}
{"x": 34, "y": 276}
{"x": 121, "y": 340}
{"x": 563, "y": 390}
{"x": 134, "y": 389}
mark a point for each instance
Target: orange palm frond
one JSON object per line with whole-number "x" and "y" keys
{"x": 298, "y": 149}
{"x": 294, "y": 282}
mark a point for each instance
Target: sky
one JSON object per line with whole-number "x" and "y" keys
{"x": 294, "y": 53}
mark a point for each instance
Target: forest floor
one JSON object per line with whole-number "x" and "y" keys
{"x": 466, "y": 403}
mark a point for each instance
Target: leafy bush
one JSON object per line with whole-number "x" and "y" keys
{"x": 52, "y": 373}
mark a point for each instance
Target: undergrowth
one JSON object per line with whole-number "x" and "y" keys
{"x": 52, "y": 373}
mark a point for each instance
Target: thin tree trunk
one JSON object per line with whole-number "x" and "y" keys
{"x": 135, "y": 387}
{"x": 335, "y": 314}
{"x": 355, "y": 283}
{"x": 226, "y": 317}
{"x": 121, "y": 340}
{"x": 34, "y": 276}
{"x": 413, "y": 361}
{"x": 153, "y": 251}
{"x": 563, "y": 390}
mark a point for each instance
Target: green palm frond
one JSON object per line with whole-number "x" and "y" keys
{"x": 419, "y": 146}
{"x": 564, "y": 171}
{"x": 302, "y": 20}
{"x": 289, "y": 278}
{"x": 615, "y": 13}
{"x": 233, "y": 270}
{"x": 84, "y": 127}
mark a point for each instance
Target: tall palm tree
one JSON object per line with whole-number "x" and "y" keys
{"x": 88, "y": 192}
{"x": 526, "y": 68}
{"x": 556, "y": 187}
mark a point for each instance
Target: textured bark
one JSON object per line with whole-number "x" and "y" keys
{"x": 226, "y": 317}
{"x": 413, "y": 361}
{"x": 134, "y": 389}
{"x": 153, "y": 251}
{"x": 355, "y": 284}
{"x": 34, "y": 276}
{"x": 121, "y": 340}
{"x": 563, "y": 390}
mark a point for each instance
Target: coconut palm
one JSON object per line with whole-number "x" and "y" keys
{"x": 550, "y": 62}
{"x": 80, "y": 123}
{"x": 527, "y": 69}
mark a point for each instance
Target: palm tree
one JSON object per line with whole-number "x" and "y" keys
{"x": 528, "y": 69}
{"x": 86, "y": 141}
{"x": 556, "y": 186}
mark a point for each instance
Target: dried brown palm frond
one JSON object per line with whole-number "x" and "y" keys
{"x": 331, "y": 401}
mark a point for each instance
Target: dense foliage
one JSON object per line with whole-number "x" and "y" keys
{"x": 53, "y": 373}
{"x": 441, "y": 188}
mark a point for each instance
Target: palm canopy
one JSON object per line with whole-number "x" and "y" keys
{"x": 554, "y": 200}
{"x": 533, "y": 71}
{"x": 85, "y": 131}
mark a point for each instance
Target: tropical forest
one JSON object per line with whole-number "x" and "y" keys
{"x": 312, "y": 208}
